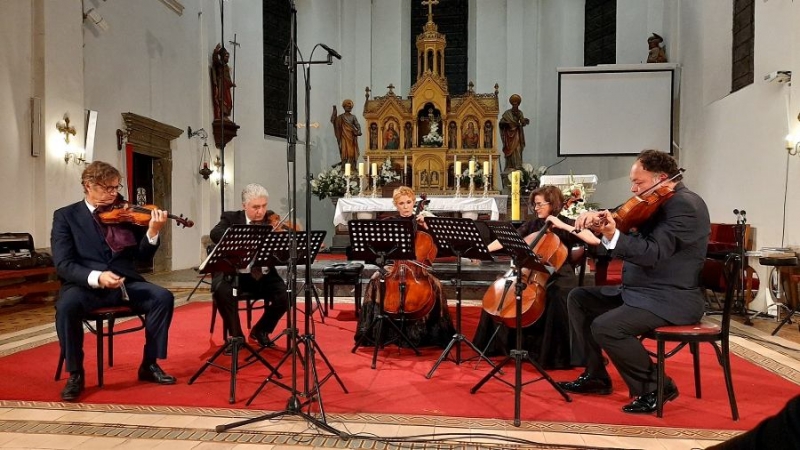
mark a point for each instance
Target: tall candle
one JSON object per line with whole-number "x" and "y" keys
{"x": 405, "y": 163}
{"x": 472, "y": 167}
{"x": 458, "y": 168}
{"x": 515, "y": 195}
{"x": 374, "y": 169}
{"x": 361, "y": 169}
{"x": 486, "y": 168}
{"x": 347, "y": 169}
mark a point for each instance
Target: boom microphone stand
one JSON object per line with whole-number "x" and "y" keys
{"x": 294, "y": 405}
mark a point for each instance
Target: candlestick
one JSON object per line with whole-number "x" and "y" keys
{"x": 471, "y": 184}
{"x": 361, "y": 169}
{"x": 347, "y": 170}
{"x": 485, "y": 185}
{"x": 347, "y": 193}
{"x": 515, "y": 195}
{"x": 361, "y": 183}
{"x": 458, "y": 186}
{"x": 374, "y": 183}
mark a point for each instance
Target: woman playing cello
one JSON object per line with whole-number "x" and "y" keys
{"x": 432, "y": 328}
{"x": 547, "y": 340}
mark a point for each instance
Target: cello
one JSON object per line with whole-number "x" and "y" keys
{"x": 409, "y": 290}
{"x": 501, "y": 306}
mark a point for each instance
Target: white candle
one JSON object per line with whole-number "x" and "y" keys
{"x": 361, "y": 169}
{"x": 486, "y": 167}
{"x": 367, "y": 162}
{"x": 374, "y": 169}
{"x": 405, "y": 163}
{"x": 347, "y": 169}
{"x": 472, "y": 167}
{"x": 458, "y": 168}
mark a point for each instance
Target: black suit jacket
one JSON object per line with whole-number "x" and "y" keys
{"x": 79, "y": 247}
{"x": 662, "y": 263}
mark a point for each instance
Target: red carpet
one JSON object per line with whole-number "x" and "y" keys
{"x": 397, "y": 386}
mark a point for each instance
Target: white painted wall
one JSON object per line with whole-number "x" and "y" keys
{"x": 155, "y": 63}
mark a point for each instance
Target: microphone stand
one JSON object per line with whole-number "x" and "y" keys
{"x": 294, "y": 405}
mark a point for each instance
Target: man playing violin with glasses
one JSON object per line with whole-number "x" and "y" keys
{"x": 269, "y": 286}
{"x": 96, "y": 264}
{"x": 662, "y": 261}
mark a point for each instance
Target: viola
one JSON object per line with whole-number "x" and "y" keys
{"x": 498, "y": 301}
{"x": 409, "y": 289}
{"x": 639, "y": 208}
{"x": 123, "y": 212}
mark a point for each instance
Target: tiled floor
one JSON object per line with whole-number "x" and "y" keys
{"x": 55, "y": 425}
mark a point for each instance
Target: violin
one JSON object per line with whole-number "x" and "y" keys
{"x": 123, "y": 212}
{"x": 280, "y": 224}
{"x": 498, "y": 301}
{"x": 409, "y": 288}
{"x": 640, "y": 207}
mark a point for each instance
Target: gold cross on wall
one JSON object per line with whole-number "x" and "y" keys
{"x": 429, "y": 4}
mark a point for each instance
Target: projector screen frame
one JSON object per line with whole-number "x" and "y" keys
{"x": 627, "y": 69}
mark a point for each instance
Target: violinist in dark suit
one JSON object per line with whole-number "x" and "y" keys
{"x": 261, "y": 281}
{"x": 662, "y": 261}
{"x": 95, "y": 263}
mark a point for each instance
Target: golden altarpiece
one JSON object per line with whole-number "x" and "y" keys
{"x": 425, "y": 134}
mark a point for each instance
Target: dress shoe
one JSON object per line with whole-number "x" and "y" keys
{"x": 74, "y": 387}
{"x": 153, "y": 373}
{"x": 262, "y": 338}
{"x": 646, "y": 403}
{"x": 587, "y": 384}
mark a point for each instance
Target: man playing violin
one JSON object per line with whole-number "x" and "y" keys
{"x": 96, "y": 264}
{"x": 262, "y": 282}
{"x": 662, "y": 261}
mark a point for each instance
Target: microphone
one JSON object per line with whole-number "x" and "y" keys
{"x": 736, "y": 211}
{"x": 331, "y": 51}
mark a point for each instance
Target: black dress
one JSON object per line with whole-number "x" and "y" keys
{"x": 548, "y": 339}
{"x": 435, "y": 328}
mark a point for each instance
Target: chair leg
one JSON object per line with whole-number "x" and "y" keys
{"x": 328, "y": 298}
{"x": 726, "y": 369}
{"x": 661, "y": 345}
{"x": 694, "y": 347}
{"x": 99, "y": 333}
{"x": 213, "y": 315}
{"x": 110, "y": 336}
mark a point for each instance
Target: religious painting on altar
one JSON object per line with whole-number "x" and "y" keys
{"x": 429, "y": 174}
{"x": 391, "y": 136}
{"x": 471, "y": 136}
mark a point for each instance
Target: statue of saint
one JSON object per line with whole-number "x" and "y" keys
{"x": 512, "y": 134}
{"x": 221, "y": 83}
{"x": 347, "y": 130}
{"x": 655, "y": 52}
{"x": 373, "y": 136}
{"x": 488, "y": 134}
{"x": 451, "y": 135}
{"x": 408, "y": 136}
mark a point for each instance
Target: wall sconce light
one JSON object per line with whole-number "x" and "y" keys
{"x": 96, "y": 19}
{"x": 63, "y": 127}
{"x": 217, "y": 173}
{"x": 792, "y": 144}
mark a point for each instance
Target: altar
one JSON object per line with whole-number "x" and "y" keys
{"x": 348, "y": 208}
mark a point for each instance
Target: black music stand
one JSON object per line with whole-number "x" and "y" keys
{"x": 276, "y": 250}
{"x": 460, "y": 238}
{"x": 522, "y": 257}
{"x": 235, "y": 253}
{"x": 376, "y": 241}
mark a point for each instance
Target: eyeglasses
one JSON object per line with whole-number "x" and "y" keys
{"x": 109, "y": 189}
{"x": 540, "y": 205}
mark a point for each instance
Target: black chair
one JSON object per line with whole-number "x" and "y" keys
{"x": 341, "y": 274}
{"x": 94, "y": 321}
{"x": 715, "y": 334}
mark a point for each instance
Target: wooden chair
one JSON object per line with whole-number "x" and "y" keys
{"x": 94, "y": 321}
{"x": 715, "y": 334}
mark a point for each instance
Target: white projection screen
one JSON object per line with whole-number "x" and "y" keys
{"x": 612, "y": 112}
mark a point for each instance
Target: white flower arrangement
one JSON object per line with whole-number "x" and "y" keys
{"x": 575, "y": 199}
{"x": 387, "y": 174}
{"x": 433, "y": 137}
{"x": 332, "y": 183}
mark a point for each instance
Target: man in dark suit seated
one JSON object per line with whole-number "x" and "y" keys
{"x": 661, "y": 266}
{"x": 96, "y": 263}
{"x": 261, "y": 282}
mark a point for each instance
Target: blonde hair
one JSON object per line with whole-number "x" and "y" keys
{"x": 403, "y": 191}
